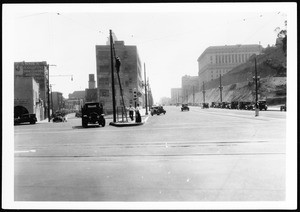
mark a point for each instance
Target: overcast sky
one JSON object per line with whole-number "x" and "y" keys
{"x": 169, "y": 37}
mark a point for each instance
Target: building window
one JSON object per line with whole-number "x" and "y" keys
{"x": 217, "y": 59}
{"x": 232, "y": 59}
{"x": 239, "y": 58}
{"x": 229, "y": 58}
{"x": 104, "y": 93}
{"x": 222, "y": 58}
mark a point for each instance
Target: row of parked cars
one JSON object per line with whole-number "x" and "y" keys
{"x": 262, "y": 105}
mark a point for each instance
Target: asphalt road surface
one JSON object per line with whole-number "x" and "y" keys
{"x": 199, "y": 155}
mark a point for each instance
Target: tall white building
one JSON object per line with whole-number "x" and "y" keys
{"x": 218, "y": 60}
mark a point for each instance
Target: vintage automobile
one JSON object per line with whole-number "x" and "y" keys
{"x": 205, "y": 105}
{"x": 31, "y": 118}
{"x": 21, "y": 115}
{"x": 59, "y": 117}
{"x": 157, "y": 110}
{"x": 283, "y": 107}
{"x": 92, "y": 113}
{"x": 234, "y": 105}
{"x": 249, "y": 106}
{"x": 262, "y": 105}
{"x": 185, "y": 107}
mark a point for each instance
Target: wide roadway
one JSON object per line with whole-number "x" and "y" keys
{"x": 199, "y": 155}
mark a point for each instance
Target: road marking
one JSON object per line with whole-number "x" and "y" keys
{"x": 25, "y": 151}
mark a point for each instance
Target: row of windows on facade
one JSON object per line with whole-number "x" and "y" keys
{"x": 105, "y": 93}
{"x": 230, "y": 58}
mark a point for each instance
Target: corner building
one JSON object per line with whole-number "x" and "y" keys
{"x": 130, "y": 75}
{"x": 218, "y": 60}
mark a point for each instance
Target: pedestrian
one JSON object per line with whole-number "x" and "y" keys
{"x": 138, "y": 118}
{"x": 131, "y": 110}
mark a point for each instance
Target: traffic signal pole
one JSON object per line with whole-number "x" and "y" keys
{"x": 112, "y": 76}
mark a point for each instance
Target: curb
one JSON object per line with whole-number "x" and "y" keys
{"x": 120, "y": 124}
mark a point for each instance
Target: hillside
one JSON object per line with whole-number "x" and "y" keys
{"x": 238, "y": 84}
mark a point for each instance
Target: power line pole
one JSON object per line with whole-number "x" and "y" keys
{"x": 112, "y": 76}
{"x": 221, "y": 87}
{"x": 256, "y": 90}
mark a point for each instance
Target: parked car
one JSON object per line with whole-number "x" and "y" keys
{"x": 205, "y": 105}
{"x": 262, "y": 105}
{"x": 249, "y": 106}
{"x": 31, "y": 118}
{"x": 157, "y": 110}
{"x": 92, "y": 113}
{"x": 234, "y": 105}
{"x": 185, "y": 107}
{"x": 283, "y": 107}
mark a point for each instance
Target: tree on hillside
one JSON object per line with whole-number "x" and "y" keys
{"x": 282, "y": 35}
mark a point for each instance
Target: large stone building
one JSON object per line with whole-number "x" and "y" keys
{"x": 176, "y": 96}
{"x": 130, "y": 76}
{"x": 39, "y": 72}
{"x": 189, "y": 86}
{"x": 218, "y": 60}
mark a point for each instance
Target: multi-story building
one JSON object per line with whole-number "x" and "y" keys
{"x": 189, "y": 86}
{"x": 176, "y": 96}
{"x": 39, "y": 71}
{"x": 130, "y": 76}
{"x": 218, "y": 60}
{"x": 57, "y": 101}
{"x": 26, "y": 97}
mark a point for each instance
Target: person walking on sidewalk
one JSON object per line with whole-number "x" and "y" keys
{"x": 131, "y": 110}
{"x": 138, "y": 118}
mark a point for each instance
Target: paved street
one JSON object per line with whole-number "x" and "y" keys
{"x": 199, "y": 155}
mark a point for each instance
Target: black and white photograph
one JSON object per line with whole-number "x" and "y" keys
{"x": 149, "y": 105}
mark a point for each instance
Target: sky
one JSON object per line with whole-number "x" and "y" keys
{"x": 169, "y": 37}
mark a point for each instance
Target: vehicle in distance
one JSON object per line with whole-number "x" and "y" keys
{"x": 92, "y": 113}
{"x": 157, "y": 110}
{"x": 205, "y": 105}
{"x": 59, "y": 117}
{"x": 31, "y": 118}
{"x": 185, "y": 107}
{"x": 262, "y": 105}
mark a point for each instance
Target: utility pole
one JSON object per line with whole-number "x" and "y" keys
{"x": 221, "y": 87}
{"x": 48, "y": 86}
{"x": 112, "y": 76}
{"x": 203, "y": 93}
{"x": 146, "y": 84}
{"x": 256, "y": 90}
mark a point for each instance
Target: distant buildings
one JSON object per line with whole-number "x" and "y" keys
{"x": 91, "y": 93}
{"x": 57, "y": 101}
{"x": 130, "y": 75}
{"x": 176, "y": 96}
{"x": 218, "y": 60}
{"x": 31, "y": 87}
{"x": 189, "y": 85}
